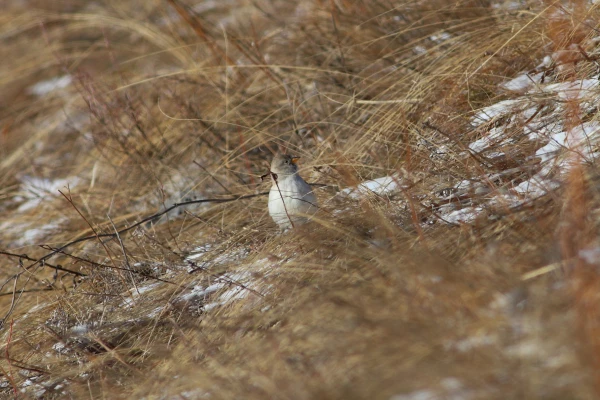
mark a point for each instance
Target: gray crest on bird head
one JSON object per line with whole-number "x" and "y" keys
{"x": 284, "y": 164}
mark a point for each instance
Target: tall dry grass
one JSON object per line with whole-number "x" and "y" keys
{"x": 378, "y": 297}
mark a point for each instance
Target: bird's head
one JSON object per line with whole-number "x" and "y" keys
{"x": 284, "y": 164}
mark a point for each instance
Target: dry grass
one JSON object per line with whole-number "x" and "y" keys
{"x": 378, "y": 297}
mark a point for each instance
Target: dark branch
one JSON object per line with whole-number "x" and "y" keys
{"x": 149, "y": 218}
{"x": 57, "y": 267}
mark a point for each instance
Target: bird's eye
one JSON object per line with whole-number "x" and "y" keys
{"x": 287, "y": 161}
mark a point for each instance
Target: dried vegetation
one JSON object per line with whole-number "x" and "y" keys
{"x": 473, "y": 275}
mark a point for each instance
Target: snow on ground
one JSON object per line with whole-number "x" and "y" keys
{"x": 420, "y": 49}
{"x": 495, "y": 137}
{"x": 523, "y": 82}
{"x": 138, "y": 292}
{"x": 535, "y": 187}
{"x": 464, "y": 215}
{"x": 440, "y": 37}
{"x": 590, "y": 255}
{"x": 230, "y": 287}
{"x": 504, "y": 107}
{"x": 44, "y": 87}
{"x": 207, "y": 256}
{"x": 383, "y": 186}
{"x": 557, "y": 148}
{"x": 35, "y": 190}
{"x": 585, "y": 89}
{"x": 580, "y": 140}
{"x": 449, "y": 389}
{"x": 28, "y": 233}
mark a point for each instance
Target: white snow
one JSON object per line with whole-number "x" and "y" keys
{"x": 35, "y": 190}
{"x": 590, "y": 255}
{"x": 508, "y": 5}
{"x": 578, "y": 89}
{"x": 541, "y": 131}
{"x": 546, "y": 62}
{"x": 238, "y": 286}
{"x": 464, "y": 215}
{"x": 535, "y": 187}
{"x": 221, "y": 283}
{"x": 440, "y": 37}
{"x": 199, "y": 251}
{"x": 59, "y": 347}
{"x": 449, "y": 388}
{"x": 44, "y": 87}
{"x": 420, "y": 50}
{"x": 156, "y": 312}
{"x": 381, "y": 186}
{"x": 417, "y": 395}
{"x": 464, "y": 184}
{"x": 556, "y": 147}
{"x": 28, "y": 232}
{"x": 579, "y": 140}
{"x": 495, "y": 136}
{"x": 80, "y": 329}
{"x": 472, "y": 342}
{"x": 522, "y": 82}
{"x": 136, "y": 292}
{"x": 232, "y": 286}
{"x": 221, "y": 258}
{"x": 502, "y": 107}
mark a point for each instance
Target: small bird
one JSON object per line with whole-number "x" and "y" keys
{"x": 291, "y": 200}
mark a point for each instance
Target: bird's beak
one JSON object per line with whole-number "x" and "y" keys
{"x": 295, "y": 160}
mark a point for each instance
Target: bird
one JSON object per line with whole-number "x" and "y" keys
{"x": 291, "y": 199}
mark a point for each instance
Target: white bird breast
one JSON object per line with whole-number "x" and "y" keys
{"x": 300, "y": 201}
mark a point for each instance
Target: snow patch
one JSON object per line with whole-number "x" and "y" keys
{"x": 464, "y": 215}
{"x": 28, "y": 233}
{"x": 502, "y": 107}
{"x": 494, "y": 137}
{"x": 522, "y": 83}
{"x": 420, "y": 50}
{"x": 449, "y": 389}
{"x": 578, "y": 89}
{"x": 467, "y": 344}
{"x": 137, "y": 292}
{"x": 383, "y": 186}
{"x": 590, "y": 255}
{"x": 49, "y": 85}
{"x": 417, "y": 395}
{"x": 440, "y": 37}
{"x": 579, "y": 140}
{"x": 535, "y": 187}
{"x": 35, "y": 190}
{"x": 231, "y": 287}
{"x": 226, "y": 256}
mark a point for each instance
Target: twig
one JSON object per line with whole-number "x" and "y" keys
{"x": 98, "y": 236}
{"x": 222, "y": 278}
{"x": 56, "y": 267}
{"x": 274, "y": 176}
{"x": 48, "y": 289}
{"x": 190, "y": 18}
{"x": 541, "y": 271}
{"x": 72, "y": 203}
{"x": 212, "y": 176}
{"x": 95, "y": 264}
{"x": 60, "y": 250}
{"x": 147, "y": 219}
{"x": 10, "y": 365}
{"x": 124, "y": 253}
